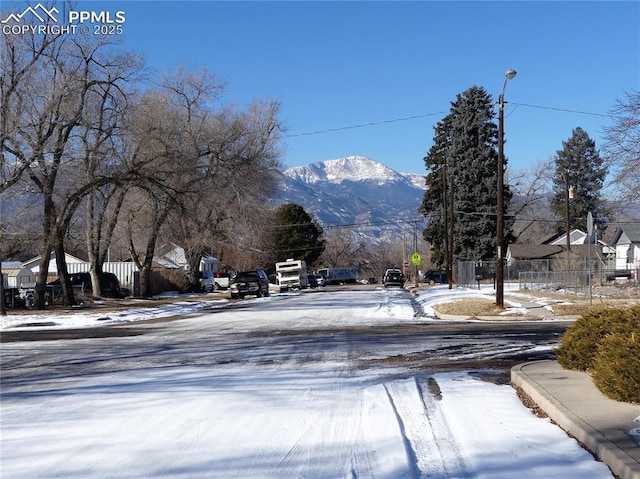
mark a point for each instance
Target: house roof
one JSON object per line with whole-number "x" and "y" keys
{"x": 533, "y": 251}
{"x": 11, "y": 265}
{"x": 172, "y": 255}
{"x": 552, "y": 237}
{"x": 549, "y": 251}
{"x": 631, "y": 230}
{"x": 69, "y": 259}
{"x": 576, "y": 237}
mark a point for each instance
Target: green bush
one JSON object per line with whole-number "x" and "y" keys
{"x": 616, "y": 367}
{"x": 579, "y": 344}
{"x": 606, "y": 342}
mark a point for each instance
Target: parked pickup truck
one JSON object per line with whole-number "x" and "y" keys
{"x": 214, "y": 281}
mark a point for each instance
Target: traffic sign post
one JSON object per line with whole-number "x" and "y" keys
{"x": 416, "y": 259}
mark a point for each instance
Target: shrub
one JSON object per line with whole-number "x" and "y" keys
{"x": 606, "y": 342}
{"x": 579, "y": 344}
{"x": 616, "y": 367}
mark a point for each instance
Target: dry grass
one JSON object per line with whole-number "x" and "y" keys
{"x": 562, "y": 304}
{"x": 469, "y": 307}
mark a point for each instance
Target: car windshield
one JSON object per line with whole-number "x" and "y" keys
{"x": 250, "y": 276}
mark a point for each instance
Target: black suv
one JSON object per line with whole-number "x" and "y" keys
{"x": 393, "y": 277}
{"x": 433, "y": 276}
{"x": 249, "y": 283}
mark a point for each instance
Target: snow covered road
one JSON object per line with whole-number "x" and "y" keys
{"x": 226, "y": 394}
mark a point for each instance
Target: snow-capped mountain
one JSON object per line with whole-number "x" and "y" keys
{"x": 351, "y": 168}
{"x": 374, "y": 200}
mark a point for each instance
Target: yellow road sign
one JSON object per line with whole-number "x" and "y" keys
{"x": 416, "y": 259}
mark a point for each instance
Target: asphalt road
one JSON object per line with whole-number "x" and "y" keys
{"x": 429, "y": 346}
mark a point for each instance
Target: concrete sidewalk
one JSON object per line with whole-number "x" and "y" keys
{"x": 572, "y": 401}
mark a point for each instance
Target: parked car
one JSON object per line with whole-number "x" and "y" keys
{"x": 81, "y": 282}
{"x": 393, "y": 277}
{"x": 433, "y": 276}
{"x": 312, "y": 280}
{"x": 320, "y": 280}
{"x": 249, "y": 283}
{"x": 12, "y": 298}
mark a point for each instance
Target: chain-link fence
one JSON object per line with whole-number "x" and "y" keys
{"x": 574, "y": 282}
{"x": 539, "y": 275}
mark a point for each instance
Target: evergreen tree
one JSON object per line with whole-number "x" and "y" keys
{"x": 578, "y": 165}
{"x": 465, "y": 151}
{"x": 434, "y": 206}
{"x": 297, "y": 234}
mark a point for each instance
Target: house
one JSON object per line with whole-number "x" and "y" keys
{"x": 554, "y": 248}
{"x": 34, "y": 264}
{"x": 539, "y": 257}
{"x": 626, "y": 241}
{"x": 172, "y": 256}
{"x": 15, "y": 275}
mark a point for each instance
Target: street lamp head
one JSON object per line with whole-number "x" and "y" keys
{"x": 510, "y": 74}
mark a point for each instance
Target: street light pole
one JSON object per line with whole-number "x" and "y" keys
{"x": 500, "y": 199}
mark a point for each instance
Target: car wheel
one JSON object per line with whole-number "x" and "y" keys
{"x": 266, "y": 294}
{"x": 432, "y": 281}
{"x": 259, "y": 293}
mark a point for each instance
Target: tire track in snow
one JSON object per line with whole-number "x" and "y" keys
{"x": 431, "y": 450}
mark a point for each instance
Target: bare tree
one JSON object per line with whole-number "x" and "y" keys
{"x": 342, "y": 248}
{"x": 105, "y": 169}
{"x": 48, "y": 84}
{"x": 232, "y": 153}
{"x": 152, "y": 151}
{"x": 622, "y": 146}
{"x": 530, "y": 203}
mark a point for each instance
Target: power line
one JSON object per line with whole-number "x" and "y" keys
{"x": 393, "y": 222}
{"x": 565, "y": 110}
{"x": 425, "y": 115}
{"x": 364, "y": 125}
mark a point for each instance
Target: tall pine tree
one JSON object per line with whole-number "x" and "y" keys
{"x": 297, "y": 235}
{"x": 465, "y": 152}
{"x": 434, "y": 206}
{"x": 578, "y": 165}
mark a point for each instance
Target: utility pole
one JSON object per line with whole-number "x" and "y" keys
{"x": 404, "y": 252}
{"x": 450, "y": 250}
{"x": 568, "y": 195}
{"x": 500, "y": 199}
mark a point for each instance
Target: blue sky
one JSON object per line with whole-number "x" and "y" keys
{"x": 397, "y": 66}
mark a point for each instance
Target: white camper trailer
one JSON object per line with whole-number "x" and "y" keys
{"x": 292, "y": 274}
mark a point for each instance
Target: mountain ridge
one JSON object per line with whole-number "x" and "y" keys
{"x": 373, "y": 200}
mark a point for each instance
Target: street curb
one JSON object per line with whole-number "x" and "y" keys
{"x": 620, "y": 463}
{"x": 503, "y": 319}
